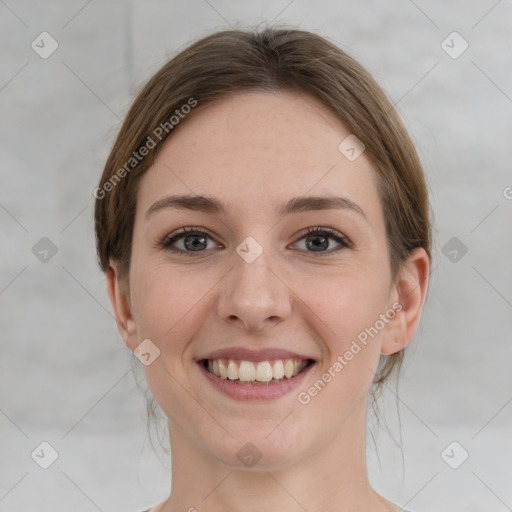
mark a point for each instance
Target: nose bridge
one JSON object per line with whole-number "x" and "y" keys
{"x": 253, "y": 277}
{"x": 253, "y": 270}
{"x": 253, "y": 294}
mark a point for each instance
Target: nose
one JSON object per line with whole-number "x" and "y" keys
{"x": 254, "y": 296}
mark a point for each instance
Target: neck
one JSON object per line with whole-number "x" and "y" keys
{"x": 334, "y": 477}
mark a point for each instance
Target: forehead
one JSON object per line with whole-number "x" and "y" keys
{"x": 256, "y": 147}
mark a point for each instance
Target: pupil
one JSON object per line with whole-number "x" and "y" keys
{"x": 195, "y": 242}
{"x": 323, "y": 244}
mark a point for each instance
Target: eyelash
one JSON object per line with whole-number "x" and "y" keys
{"x": 167, "y": 242}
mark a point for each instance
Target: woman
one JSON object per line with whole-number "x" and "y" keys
{"x": 263, "y": 223}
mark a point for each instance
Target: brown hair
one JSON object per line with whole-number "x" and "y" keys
{"x": 272, "y": 59}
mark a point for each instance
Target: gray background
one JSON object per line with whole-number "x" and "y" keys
{"x": 66, "y": 377}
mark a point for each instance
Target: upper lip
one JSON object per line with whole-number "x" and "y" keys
{"x": 246, "y": 354}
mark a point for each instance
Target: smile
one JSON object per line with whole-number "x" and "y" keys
{"x": 251, "y": 372}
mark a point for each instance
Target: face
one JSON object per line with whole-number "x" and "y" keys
{"x": 266, "y": 273}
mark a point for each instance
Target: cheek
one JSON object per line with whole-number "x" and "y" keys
{"x": 166, "y": 303}
{"x": 166, "y": 306}
{"x": 351, "y": 308}
{"x": 351, "y": 302}
{"x": 342, "y": 303}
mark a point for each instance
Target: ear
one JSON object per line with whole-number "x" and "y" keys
{"x": 121, "y": 305}
{"x": 409, "y": 292}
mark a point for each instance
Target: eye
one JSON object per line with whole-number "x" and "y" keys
{"x": 191, "y": 241}
{"x": 318, "y": 240}
{"x": 188, "y": 241}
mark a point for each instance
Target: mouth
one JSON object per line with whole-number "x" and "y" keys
{"x": 256, "y": 372}
{"x": 242, "y": 373}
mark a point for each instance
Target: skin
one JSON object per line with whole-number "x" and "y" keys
{"x": 254, "y": 151}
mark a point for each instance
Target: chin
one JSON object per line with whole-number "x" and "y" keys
{"x": 258, "y": 451}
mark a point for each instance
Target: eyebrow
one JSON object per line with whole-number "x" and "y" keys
{"x": 213, "y": 206}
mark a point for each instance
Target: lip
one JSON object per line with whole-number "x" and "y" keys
{"x": 256, "y": 356}
{"x": 260, "y": 391}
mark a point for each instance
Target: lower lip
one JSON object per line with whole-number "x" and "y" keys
{"x": 261, "y": 391}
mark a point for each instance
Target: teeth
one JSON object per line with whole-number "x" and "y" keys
{"x": 278, "y": 370}
{"x": 246, "y": 371}
{"x": 215, "y": 368}
{"x": 288, "y": 368}
{"x": 232, "y": 370}
{"x": 263, "y": 371}
{"x": 222, "y": 370}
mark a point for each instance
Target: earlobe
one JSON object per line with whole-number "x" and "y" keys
{"x": 410, "y": 292}
{"x": 121, "y": 306}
